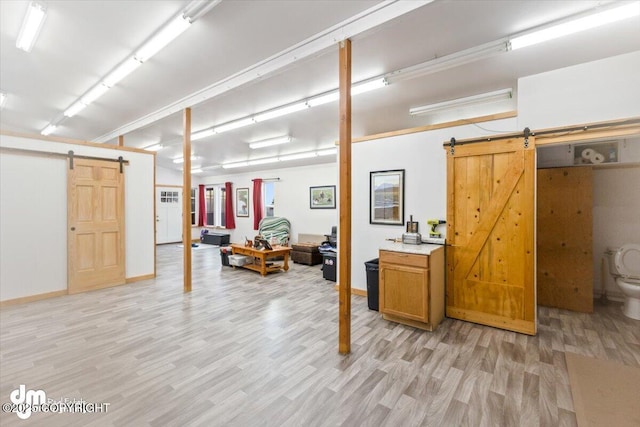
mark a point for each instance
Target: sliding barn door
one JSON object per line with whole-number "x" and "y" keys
{"x": 95, "y": 215}
{"x": 491, "y": 226}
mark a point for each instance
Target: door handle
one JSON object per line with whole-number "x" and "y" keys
{"x": 73, "y": 229}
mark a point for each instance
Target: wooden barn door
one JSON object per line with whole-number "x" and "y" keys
{"x": 95, "y": 216}
{"x": 491, "y": 230}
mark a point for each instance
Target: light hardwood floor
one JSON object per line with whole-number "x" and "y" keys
{"x": 242, "y": 350}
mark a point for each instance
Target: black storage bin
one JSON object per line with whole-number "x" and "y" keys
{"x": 218, "y": 239}
{"x": 224, "y": 256}
{"x": 329, "y": 266}
{"x": 372, "y": 269}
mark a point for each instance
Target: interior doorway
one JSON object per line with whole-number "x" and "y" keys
{"x": 168, "y": 215}
{"x": 584, "y": 208}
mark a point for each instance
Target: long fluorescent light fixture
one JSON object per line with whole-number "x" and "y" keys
{"x": 3, "y": 97}
{"x": 163, "y": 37}
{"x": 594, "y": 20}
{"x": 447, "y": 62}
{"x": 49, "y": 129}
{"x": 202, "y": 134}
{"x": 281, "y": 111}
{"x": 75, "y": 109}
{"x": 293, "y": 107}
{"x": 181, "y": 159}
{"x": 463, "y": 102}
{"x": 121, "y": 71}
{"x": 234, "y": 125}
{"x": 155, "y": 147}
{"x": 288, "y": 157}
{"x": 31, "y": 26}
{"x": 270, "y": 142}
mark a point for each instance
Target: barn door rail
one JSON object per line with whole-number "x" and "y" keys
{"x": 630, "y": 123}
{"x": 69, "y": 155}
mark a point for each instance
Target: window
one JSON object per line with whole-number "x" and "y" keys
{"x": 269, "y": 200}
{"x": 215, "y": 198}
{"x": 193, "y": 207}
{"x": 169, "y": 197}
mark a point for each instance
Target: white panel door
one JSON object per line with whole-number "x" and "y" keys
{"x": 168, "y": 215}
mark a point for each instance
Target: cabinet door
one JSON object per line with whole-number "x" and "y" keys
{"x": 404, "y": 291}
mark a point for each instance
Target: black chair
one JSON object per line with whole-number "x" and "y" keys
{"x": 332, "y": 238}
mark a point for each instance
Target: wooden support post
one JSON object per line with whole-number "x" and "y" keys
{"x": 121, "y": 141}
{"x": 186, "y": 198}
{"x": 344, "y": 233}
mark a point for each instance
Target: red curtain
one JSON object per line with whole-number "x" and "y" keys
{"x": 202, "y": 208}
{"x": 230, "y": 221}
{"x": 257, "y": 202}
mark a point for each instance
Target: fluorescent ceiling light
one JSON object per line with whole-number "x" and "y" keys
{"x": 181, "y": 159}
{"x": 163, "y": 38}
{"x": 453, "y": 60}
{"x": 197, "y": 170}
{"x": 368, "y": 86}
{"x": 235, "y": 165}
{"x": 327, "y": 152}
{"x": 577, "y": 25}
{"x": 297, "y": 156}
{"x": 155, "y": 147}
{"x": 463, "y": 102}
{"x": 277, "y": 112}
{"x": 122, "y": 71}
{"x": 202, "y": 134}
{"x": 3, "y": 97}
{"x": 270, "y": 142}
{"x": 233, "y": 125}
{"x": 49, "y": 129}
{"x": 290, "y": 108}
{"x": 324, "y": 99}
{"x": 31, "y": 26}
{"x": 96, "y": 92}
{"x": 75, "y": 109}
{"x": 262, "y": 161}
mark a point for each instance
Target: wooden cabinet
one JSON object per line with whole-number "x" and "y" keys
{"x": 412, "y": 287}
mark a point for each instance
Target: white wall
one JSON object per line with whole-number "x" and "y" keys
{"x": 166, "y": 176}
{"x": 291, "y": 194}
{"x": 423, "y": 158}
{"x": 33, "y": 220}
{"x": 602, "y": 90}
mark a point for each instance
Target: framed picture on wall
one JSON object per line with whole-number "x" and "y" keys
{"x": 322, "y": 197}
{"x": 386, "y": 197}
{"x": 242, "y": 202}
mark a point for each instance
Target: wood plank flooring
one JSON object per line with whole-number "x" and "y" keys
{"x": 242, "y": 350}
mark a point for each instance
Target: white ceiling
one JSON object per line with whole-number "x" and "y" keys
{"x": 81, "y": 41}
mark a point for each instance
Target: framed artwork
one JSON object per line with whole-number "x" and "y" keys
{"x": 386, "y": 197}
{"x": 242, "y": 202}
{"x": 322, "y": 197}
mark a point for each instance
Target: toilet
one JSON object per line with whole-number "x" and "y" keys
{"x": 624, "y": 266}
